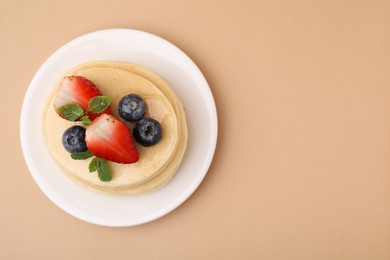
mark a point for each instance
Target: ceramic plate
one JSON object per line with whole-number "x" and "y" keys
{"x": 172, "y": 65}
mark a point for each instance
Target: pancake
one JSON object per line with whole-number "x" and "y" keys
{"x": 158, "y": 163}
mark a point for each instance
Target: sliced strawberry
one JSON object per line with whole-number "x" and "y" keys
{"x": 109, "y": 138}
{"x": 77, "y": 90}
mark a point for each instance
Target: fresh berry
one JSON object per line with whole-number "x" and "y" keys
{"x": 73, "y": 139}
{"x": 132, "y": 107}
{"x": 147, "y": 132}
{"x": 107, "y": 137}
{"x": 77, "y": 90}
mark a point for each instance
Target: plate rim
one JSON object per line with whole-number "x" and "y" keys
{"x": 97, "y": 220}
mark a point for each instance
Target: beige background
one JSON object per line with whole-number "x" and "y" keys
{"x": 302, "y": 168}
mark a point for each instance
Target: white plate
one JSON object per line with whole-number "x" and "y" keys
{"x": 171, "y": 64}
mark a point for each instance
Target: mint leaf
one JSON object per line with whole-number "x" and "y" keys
{"x": 93, "y": 165}
{"x": 100, "y": 165}
{"x": 104, "y": 172}
{"x": 81, "y": 155}
{"x": 71, "y": 112}
{"x": 98, "y": 104}
{"x": 85, "y": 120}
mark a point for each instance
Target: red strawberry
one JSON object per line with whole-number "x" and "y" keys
{"x": 109, "y": 138}
{"x": 77, "y": 90}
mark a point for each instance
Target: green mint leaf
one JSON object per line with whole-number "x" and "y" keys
{"x": 104, "y": 172}
{"x": 93, "y": 165}
{"x": 81, "y": 156}
{"x": 100, "y": 165}
{"x": 98, "y": 104}
{"x": 71, "y": 112}
{"x": 85, "y": 120}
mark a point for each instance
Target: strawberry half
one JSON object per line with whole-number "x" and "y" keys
{"x": 109, "y": 138}
{"x": 77, "y": 90}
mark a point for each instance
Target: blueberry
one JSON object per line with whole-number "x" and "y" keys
{"x": 132, "y": 107}
{"x": 147, "y": 132}
{"x": 73, "y": 139}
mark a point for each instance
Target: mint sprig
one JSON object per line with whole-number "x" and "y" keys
{"x": 98, "y": 104}
{"x": 71, "y": 112}
{"x": 100, "y": 165}
{"x": 97, "y": 164}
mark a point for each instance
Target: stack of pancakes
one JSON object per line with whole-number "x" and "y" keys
{"x": 157, "y": 163}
